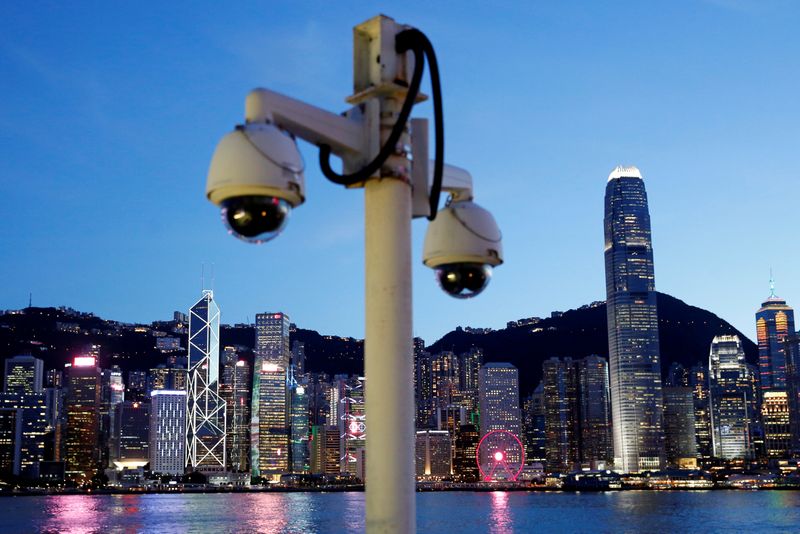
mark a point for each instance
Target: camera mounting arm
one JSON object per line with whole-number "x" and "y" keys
{"x": 345, "y": 135}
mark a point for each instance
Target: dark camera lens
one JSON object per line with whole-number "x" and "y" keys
{"x": 463, "y": 280}
{"x": 255, "y": 218}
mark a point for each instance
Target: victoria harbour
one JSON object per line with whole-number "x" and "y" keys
{"x": 494, "y": 512}
{"x": 248, "y": 290}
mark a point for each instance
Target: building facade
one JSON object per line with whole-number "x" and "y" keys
{"x": 24, "y": 374}
{"x": 167, "y": 447}
{"x": 634, "y": 358}
{"x": 205, "y": 409}
{"x": 731, "y": 405}
{"x": 82, "y": 446}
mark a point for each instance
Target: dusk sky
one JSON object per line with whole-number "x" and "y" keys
{"x": 110, "y": 112}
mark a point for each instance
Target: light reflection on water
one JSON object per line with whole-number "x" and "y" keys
{"x": 497, "y": 512}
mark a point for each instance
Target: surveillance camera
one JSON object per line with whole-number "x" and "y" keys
{"x": 462, "y": 245}
{"x": 256, "y": 177}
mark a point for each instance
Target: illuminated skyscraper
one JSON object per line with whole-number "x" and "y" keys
{"x": 562, "y": 429}
{"x": 433, "y": 454}
{"x": 28, "y": 412}
{"x": 269, "y": 426}
{"x": 498, "y": 390}
{"x": 167, "y": 448}
{"x": 130, "y": 438}
{"x": 774, "y": 325}
{"x": 81, "y": 450}
{"x": 272, "y": 339}
{"x": 594, "y": 408}
{"x": 352, "y": 423}
{"x": 534, "y": 420}
{"x": 577, "y": 413}
{"x": 792, "y": 347}
{"x": 235, "y": 390}
{"x": 298, "y": 422}
{"x": 24, "y": 375}
{"x": 634, "y": 362}
{"x": 681, "y": 443}
{"x": 423, "y": 386}
{"x": 729, "y": 394}
{"x": 465, "y": 469}
{"x": 205, "y": 409}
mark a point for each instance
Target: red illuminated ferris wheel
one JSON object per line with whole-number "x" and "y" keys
{"x": 500, "y": 456}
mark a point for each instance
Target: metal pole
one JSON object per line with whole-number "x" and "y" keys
{"x": 388, "y": 361}
{"x": 388, "y": 346}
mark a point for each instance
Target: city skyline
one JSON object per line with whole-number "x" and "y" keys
{"x": 725, "y": 115}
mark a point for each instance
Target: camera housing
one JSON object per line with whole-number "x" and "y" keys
{"x": 462, "y": 245}
{"x": 256, "y": 177}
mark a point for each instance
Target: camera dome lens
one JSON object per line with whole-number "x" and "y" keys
{"x": 463, "y": 280}
{"x": 255, "y": 219}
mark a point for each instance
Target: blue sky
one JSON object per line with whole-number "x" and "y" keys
{"x": 109, "y": 113}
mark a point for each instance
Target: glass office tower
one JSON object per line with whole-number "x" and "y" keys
{"x": 634, "y": 362}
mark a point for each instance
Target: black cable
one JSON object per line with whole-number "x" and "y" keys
{"x": 438, "y": 119}
{"x": 417, "y": 42}
{"x": 406, "y": 40}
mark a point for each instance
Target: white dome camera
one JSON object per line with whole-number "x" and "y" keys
{"x": 256, "y": 177}
{"x": 462, "y": 245}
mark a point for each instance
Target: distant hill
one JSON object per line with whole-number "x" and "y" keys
{"x": 56, "y": 335}
{"x": 685, "y": 334}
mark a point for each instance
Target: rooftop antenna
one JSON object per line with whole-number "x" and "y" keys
{"x": 212, "y": 276}
{"x": 202, "y": 276}
{"x": 30, "y": 300}
{"x": 771, "y": 284}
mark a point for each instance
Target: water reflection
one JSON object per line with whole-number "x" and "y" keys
{"x": 73, "y": 514}
{"x": 500, "y": 521}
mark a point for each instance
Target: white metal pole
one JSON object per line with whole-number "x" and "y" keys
{"x": 388, "y": 361}
{"x": 388, "y": 349}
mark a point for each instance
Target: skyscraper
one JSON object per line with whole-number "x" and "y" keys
{"x": 729, "y": 394}
{"x": 235, "y": 390}
{"x": 205, "y": 431}
{"x": 24, "y": 375}
{"x": 594, "y": 408}
{"x": 298, "y": 421}
{"x": 561, "y": 414}
{"x": 792, "y": 347}
{"x": 269, "y": 427}
{"x": 272, "y": 339}
{"x": 433, "y": 458}
{"x": 634, "y": 362}
{"x": 130, "y": 437}
{"x": 83, "y": 419}
{"x": 774, "y": 325}
{"x": 499, "y": 398}
{"x": 681, "y": 443}
{"x": 167, "y": 448}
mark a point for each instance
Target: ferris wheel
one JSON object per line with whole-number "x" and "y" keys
{"x": 500, "y": 456}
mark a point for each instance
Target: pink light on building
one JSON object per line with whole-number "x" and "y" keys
{"x": 270, "y": 367}
{"x": 84, "y": 361}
